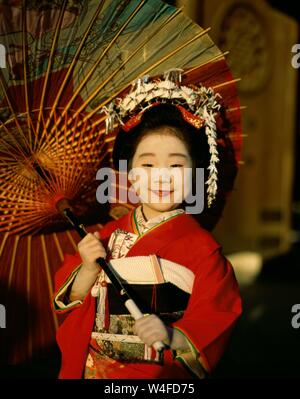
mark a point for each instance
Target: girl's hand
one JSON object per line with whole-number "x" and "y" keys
{"x": 151, "y": 329}
{"x": 90, "y": 248}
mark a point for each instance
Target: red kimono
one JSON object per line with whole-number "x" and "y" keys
{"x": 213, "y": 307}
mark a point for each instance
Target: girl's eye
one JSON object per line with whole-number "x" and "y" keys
{"x": 176, "y": 165}
{"x": 147, "y": 165}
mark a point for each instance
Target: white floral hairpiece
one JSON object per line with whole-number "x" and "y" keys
{"x": 200, "y": 101}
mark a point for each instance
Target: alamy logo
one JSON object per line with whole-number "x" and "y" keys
{"x": 2, "y": 56}
{"x": 2, "y": 316}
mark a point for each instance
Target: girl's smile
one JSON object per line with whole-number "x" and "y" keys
{"x": 161, "y": 193}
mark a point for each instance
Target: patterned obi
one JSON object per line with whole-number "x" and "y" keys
{"x": 118, "y": 340}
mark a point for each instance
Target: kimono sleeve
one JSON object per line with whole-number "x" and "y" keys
{"x": 213, "y": 309}
{"x": 64, "y": 279}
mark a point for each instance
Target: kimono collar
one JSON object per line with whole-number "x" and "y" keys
{"x": 141, "y": 225}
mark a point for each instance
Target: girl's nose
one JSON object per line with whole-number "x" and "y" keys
{"x": 162, "y": 175}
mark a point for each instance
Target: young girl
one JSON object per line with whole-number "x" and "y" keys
{"x": 173, "y": 268}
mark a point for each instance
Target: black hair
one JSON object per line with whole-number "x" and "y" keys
{"x": 158, "y": 116}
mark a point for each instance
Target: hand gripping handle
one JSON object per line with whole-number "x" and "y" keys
{"x": 137, "y": 314}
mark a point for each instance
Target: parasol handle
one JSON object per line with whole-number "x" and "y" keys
{"x": 115, "y": 280}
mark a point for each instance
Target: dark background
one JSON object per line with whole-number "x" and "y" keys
{"x": 264, "y": 343}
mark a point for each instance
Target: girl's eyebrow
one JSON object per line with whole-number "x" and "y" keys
{"x": 146, "y": 154}
{"x": 177, "y": 154}
{"x": 173, "y": 154}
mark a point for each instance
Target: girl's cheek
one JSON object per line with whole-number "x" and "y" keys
{"x": 182, "y": 184}
{"x": 141, "y": 182}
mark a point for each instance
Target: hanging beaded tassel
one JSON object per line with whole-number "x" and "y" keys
{"x": 102, "y": 302}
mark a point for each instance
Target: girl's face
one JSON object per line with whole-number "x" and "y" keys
{"x": 161, "y": 180}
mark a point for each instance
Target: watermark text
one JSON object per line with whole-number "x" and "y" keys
{"x": 2, "y": 316}
{"x": 296, "y": 318}
{"x": 2, "y": 56}
{"x": 296, "y": 58}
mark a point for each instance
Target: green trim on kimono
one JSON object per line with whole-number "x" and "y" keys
{"x": 190, "y": 358}
{"x": 171, "y": 214}
{"x": 61, "y": 300}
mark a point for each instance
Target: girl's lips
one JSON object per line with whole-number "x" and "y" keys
{"x": 161, "y": 193}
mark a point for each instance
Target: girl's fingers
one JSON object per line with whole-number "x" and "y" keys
{"x": 90, "y": 238}
{"x": 151, "y": 329}
{"x": 90, "y": 252}
{"x": 91, "y": 244}
{"x": 94, "y": 252}
{"x": 149, "y": 324}
{"x": 148, "y": 321}
{"x": 149, "y": 337}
